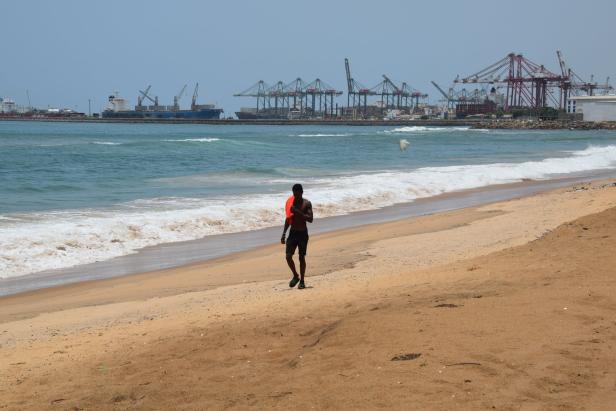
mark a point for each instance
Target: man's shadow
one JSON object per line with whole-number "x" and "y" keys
{"x": 297, "y": 289}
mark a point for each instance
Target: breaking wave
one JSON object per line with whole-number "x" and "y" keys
{"x": 424, "y": 129}
{"x": 322, "y": 135}
{"x": 195, "y": 140}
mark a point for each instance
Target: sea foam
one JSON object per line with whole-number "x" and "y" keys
{"x": 424, "y": 129}
{"x": 194, "y": 140}
{"x": 322, "y": 135}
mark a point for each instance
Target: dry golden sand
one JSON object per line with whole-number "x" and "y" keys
{"x": 504, "y": 306}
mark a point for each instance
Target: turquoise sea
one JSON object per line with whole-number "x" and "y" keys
{"x": 75, "y": 193}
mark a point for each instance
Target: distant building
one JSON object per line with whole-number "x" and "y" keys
{"x": 7, "y": 105}
{"x": 593, "y": 108}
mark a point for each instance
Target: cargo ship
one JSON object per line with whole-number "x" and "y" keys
{"x": 118, "y": 108}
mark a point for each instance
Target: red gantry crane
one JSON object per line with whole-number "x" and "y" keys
{"x": 528, "y": 84}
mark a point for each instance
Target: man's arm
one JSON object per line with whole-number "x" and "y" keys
{"x": 284, "y": 231}
{"x": 308, "y": 213}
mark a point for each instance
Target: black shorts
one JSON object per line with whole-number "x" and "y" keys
{"x": 297, "y": 239}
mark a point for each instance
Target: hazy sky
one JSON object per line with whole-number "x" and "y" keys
{"x": 66, "y": 52}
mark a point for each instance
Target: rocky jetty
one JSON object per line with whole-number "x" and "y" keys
{"x": 545, "y": 125}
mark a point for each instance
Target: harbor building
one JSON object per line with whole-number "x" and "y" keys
{"x": 593, "y": 108}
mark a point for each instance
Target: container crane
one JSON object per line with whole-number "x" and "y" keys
{"x": 356, "y": 89}
{"x": 349, "y": 80}
{"x": 409, "y": 92}
{"x": 448, "y": 96}
{"x": 322, "y": 91}
{"x": 260, "y": 90}
{"x": 528, "y": 84}
{"x": 295, "y": 89}
{"x": 389, "y": 89}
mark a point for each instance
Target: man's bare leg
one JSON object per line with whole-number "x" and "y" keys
{"x": 302, "y": 267}
{"x": 291, "y": 264}
{"x": 302, "y": 270}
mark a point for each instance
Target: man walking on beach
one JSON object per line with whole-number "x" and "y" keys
{"x": 298, "y": 211}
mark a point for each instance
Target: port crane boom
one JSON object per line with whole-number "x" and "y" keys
{"x": 448, "y": 99}
{"x": 440, "y": 90}
{"x": 348, "y": 76}
{"x": 146, "y": 95}
{"x": 573, "y": 84}
{"x": 176, "y": 99}
{"x": 391, "y": 83}
{"x": 194, "y": 96}
{"x": 356, "y": 90}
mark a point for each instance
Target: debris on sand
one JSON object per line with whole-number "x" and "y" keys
{"x": 446, "y": 306}
{"x": 406, "y": 357}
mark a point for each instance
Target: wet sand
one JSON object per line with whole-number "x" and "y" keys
{"x": 508, "y": 305}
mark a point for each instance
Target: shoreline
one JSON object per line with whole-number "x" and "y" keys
{"x": 145, "y": 284}
{"x": 499, "y": 305}
{"x": 186, "y": 253}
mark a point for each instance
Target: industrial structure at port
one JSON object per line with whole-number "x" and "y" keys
{"x": 10, "y": 109}
{"x": 315, "y": 100}
{"x": 513, "y": 86}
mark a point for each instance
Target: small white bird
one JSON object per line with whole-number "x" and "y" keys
{"x": 404, "y": 144}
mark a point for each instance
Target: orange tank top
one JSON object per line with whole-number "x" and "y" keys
{"x": 287, "y": 208}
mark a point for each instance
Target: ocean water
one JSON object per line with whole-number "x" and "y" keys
{"x": 75, "y": 193}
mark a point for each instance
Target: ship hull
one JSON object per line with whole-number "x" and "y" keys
{"x": 204, "y": 114}
{"x": 243, "y": 115}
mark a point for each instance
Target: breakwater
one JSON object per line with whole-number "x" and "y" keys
{"x": 544, "y": 125}
{"x": 526, "y": 124}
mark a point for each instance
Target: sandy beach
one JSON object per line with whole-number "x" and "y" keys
{"x": 502, "y": 306}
